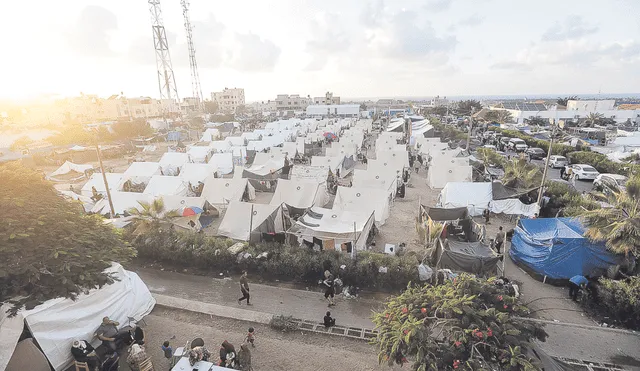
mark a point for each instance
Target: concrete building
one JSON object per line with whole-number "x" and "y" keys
{"x": 333, "y": 110}
{"x": 526, "y": 111}
{"x": 88, "y": 108}
{"x": 328, "y": 98}
{"x": 264, "y": 106}
{"x": 294, "y": 102}
{"x": 229, "y": 99}
{"x": 591, "y": 105}
{"x": 437, "y": 102}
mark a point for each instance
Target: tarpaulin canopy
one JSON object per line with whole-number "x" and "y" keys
{"x": 337, "y": 226}
{"x": 472, "y": 257}
{"x": 442, "y": 215}
{"x": 474, "y": 196}
{"x": 56, "y": 323}
{"x": 557, "y": 248}
{"x": 513, "y": 206}
{"x": 502, "y": 192}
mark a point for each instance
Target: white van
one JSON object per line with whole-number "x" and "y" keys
{"x": 518, "y": 145}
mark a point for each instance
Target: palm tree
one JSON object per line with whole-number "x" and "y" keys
{"x": 564, "y": 101}
{"x": 499, "y": 116}
{"x": 152, "y": 215}
{"x": 518, "y": 173}
{"x": 619, "y": 225}
{"x": 593, "y": 118}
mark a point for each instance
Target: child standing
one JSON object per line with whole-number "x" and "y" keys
{"x": 250, "y": 337}
{"x": 168, "y": 352}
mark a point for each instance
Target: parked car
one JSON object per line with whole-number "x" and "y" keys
{"x": 608, "y": 183}
{"x": 535, "y": 153}
{"x": 556, "y": 161}
{"x": 582, "y": 171}
{"x": 490, "y": 146}
{"x": 518, "y": 144}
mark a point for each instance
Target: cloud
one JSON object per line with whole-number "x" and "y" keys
{"x": 574, "y": 27}
{"x": 472, "y": 21}
{"x": 207, "y": 37}
{"x": 330, "y": 38}
{"x": 252, "y": 53}
{"x": 372, "y": 13}
{"x": 141, "y": 50}
{"x": 90, "y": 34}
{"x": 511, "y": 65}
{"x": 437, "y": 6}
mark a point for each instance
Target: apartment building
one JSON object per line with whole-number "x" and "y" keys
{"x": 328, "y": 99}
{"x": 294, "y": 102}
{"x": 229, "y": 99}
{"x": 88, "y": 108}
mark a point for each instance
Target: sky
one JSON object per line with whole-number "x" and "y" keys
{"x": 353, "y": 48}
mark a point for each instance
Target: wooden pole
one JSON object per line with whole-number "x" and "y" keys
{"x": 106, "y": 184}
{"x": 546, "y": 164}
{"x": 355, "y": 239}
{"x": 251, "y": 223}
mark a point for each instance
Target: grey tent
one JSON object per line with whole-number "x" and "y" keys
{"x": 472, "y": 257}
{"x": 502, "y": 192}
{"x": 456, "y": 215}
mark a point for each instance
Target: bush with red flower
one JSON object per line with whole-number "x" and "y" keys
{"x": 466, "y": 324}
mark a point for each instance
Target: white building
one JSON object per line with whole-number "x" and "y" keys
{"x": 264, "y": 106}
{"x": 526, "y": 111}
{"x": 229, "y": 99}
{"x": 332, "y": 110}
{"x": 591, "y": 105}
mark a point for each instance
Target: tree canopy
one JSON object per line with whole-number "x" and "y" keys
{"x": 465, "y": 324}
{"x": 465, "y": 107}
{"x": 564, "y": 101}
{"x": 518, "y": 173}
{"x": 48, "y": 247}
{"x": 499, "y": 116}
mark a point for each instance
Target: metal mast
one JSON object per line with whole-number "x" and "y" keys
{"x": 166, "y": 80}
{"x": 196, "y": 90}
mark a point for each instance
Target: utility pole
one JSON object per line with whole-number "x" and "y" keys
{"x": 196, "y": 90}
{"x": 106, "y": 184}
{"x": 470, "y": 127}
{"x": 166, "y": 79}
{"x": 546, "y": 163}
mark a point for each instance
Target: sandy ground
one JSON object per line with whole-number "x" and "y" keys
{"x": 274, "y": 350}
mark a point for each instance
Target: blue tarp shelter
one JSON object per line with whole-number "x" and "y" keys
{"x": 556, "y": 248}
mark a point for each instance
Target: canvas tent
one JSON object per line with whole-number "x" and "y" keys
{"x": 299, "y": 194}
{"x": 333, "y": 229}
{"x": 221, "y": 191}
{"x": 263, "y": 177}
{"x": 472, "y": 257}
{"x": 172, "y": 162}
{"x": 317, "y": 174}
{"x": 210, "y": 134}
{"x": 96, "y": 180}
{"x": 199, "y": 154}
{"x": 371, "y": 179}
{"x": 262, "y": 158}
{"x": 87, "y": 202}
{"x": 220, "y": 146}
{"x": 196, "y": 173}
{"x": 246, "y": 221}
{"x": 71, "y": 169}
{"x": 163, "y": 185}
{"x": 474, "y": 196}
{"x": 363, "y": 199}
{"x": 556, "y": 248}
{"x": 223, "y": 162}
{"x": 56, "y": 323}
{"x": 122, "y": 201}
{"x": 140, "y": 173}
{"x": 179, "y": 204}
{"x": 441, "y": 174}
{"x": 513, "y": 206}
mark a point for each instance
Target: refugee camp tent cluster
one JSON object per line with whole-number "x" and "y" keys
{"x": 70, "y": 172}
{"x": 477, "y": 197}
{"x": 56, "y": 323}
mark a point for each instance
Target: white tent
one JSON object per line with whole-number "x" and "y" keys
{"x": 370, "y": 179}
{"x": 242, "y": 219}
{"x": 235, "y": 141}
{"x": 398, "y": 159}
{"x": 163, "y": 185}
{"x": 221, "y": 191}
{"x": 172, "y": 162}
{"x": 257, "y": 145}
{"x": 199, "y": 154}
{"x": 56, "y": 323}
{"x": 70, "y": 167}
{"x": 179, "y": 204}
{"x": 219, "y": 146}
{"x": 96, "y": 180}
{"x": 442, "y": 173}
{"x": 210, "y": 135}
{"x": 287, "y": 147}
{"x": 513, "y": 206}
{"x": 391, "y": 147}
{"x": 340, "y": 150}
{"x": 223, "y": 162}
{"x": 334, "y": 227}
{"x": 474, "y": 196}
{"x": 140, "y": 173}
{"x": 194, "y": 173}
{"x": 272, "y": 166}
{"x": 299, "y": 194}
{"x": 331, "y": 162}
{"x": 364, "y": 199}
{"x": 262, "y": 158}
{"x": 317, "y": 174}
{"x": 427, "y": 147}
{"x": 250, "y": 136}
{"x": 122, "y": 201}
{"x": 380, "y": 166}
{"x": 450, "y": 161}
{"x": 87, "y": 202}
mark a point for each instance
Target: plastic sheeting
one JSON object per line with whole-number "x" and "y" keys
{"x": 223, "y": 162}
{"x": 239, "y": 222}
{"x": 56, "y": 323}
{"x": 557, "y": 248}
{"x": 339, "y": 226}
{"x": 474, "y": 196}
{"x": 472, "y": 257}
{"x": 222, "y": 191}
{"x": 513, "y": 206}
{"x": 172, "y": 162}
{"x": 163, "y": 185}
{"x": 96, "y": 180}
{"x": 363, "y": 199}
{"x": 299, "y": 194}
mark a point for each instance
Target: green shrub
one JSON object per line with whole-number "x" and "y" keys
{"x": 283, "y": 262}
{"x": 620, "y": 300}
{"x": 602, "y": 163}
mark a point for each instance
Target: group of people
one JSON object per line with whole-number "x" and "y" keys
{"x": 113, "y": 340}
{"x": 228, "y": 356}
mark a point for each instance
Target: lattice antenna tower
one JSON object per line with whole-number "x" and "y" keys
{"x": 166, "y": 79}
{"x": 196, "y": 89}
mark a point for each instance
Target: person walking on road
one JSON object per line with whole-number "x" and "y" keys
{"x": 329, "y": 292}
{"x": 500, "y": 239}
{"x": 244, "y": 288}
